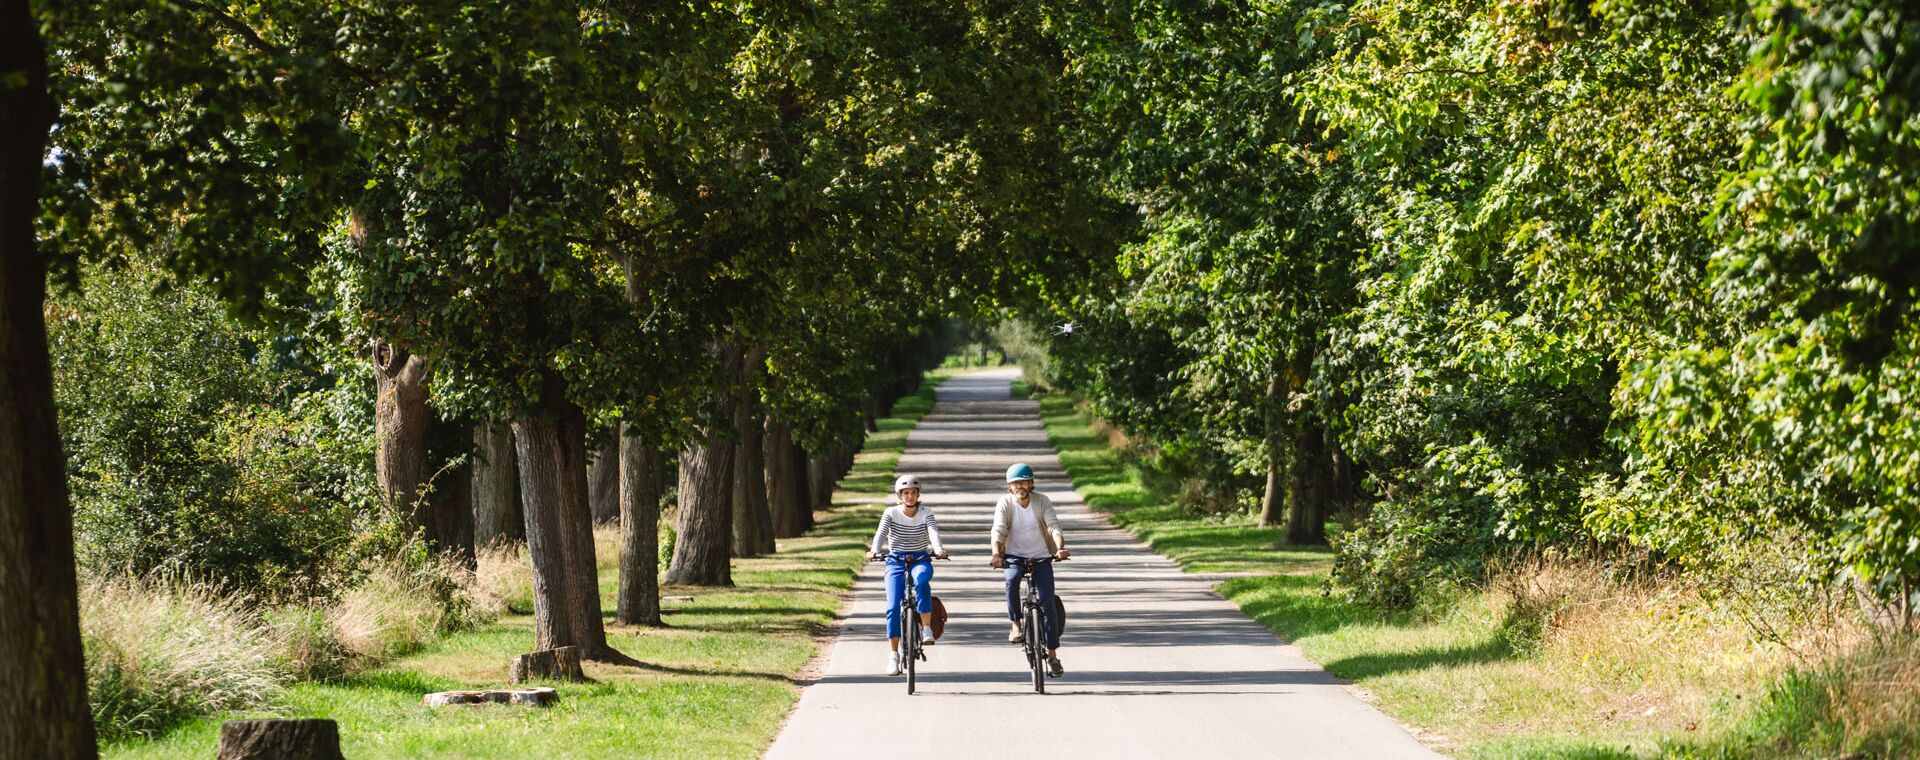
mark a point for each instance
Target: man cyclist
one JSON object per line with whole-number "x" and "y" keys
{"x": 1026, "y": 528}
{"x": 912, "y": 538}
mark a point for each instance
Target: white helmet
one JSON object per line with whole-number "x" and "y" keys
{"x": 905, "y": 482}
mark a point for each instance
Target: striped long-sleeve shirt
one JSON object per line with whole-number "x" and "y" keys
{"x": 901, "y": 533}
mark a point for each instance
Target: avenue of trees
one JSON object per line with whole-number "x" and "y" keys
{"x": 293, "y": 285}
{"x": 290, "y": 286}
{"x": 1491, "y": 276}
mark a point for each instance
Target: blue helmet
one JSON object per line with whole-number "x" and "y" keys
{"x": 1020, "y": 471}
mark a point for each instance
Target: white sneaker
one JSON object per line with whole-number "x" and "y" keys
{"x": 893, "y": 663}
{"x": 1015, "y": 636}
{"x": 926, "y": 637}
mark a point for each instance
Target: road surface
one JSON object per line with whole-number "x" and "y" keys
{"x": 1157, "y": 664}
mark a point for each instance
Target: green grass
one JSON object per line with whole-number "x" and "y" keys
{"x": 718, "y": 681}
{"x": 1644, "y": 678}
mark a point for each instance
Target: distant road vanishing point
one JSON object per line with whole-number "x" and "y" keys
{"x": 1157, "y": 664}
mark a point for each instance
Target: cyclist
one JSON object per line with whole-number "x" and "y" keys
{"x": 912, "y": 538}
{"x": 1025, "y": 527}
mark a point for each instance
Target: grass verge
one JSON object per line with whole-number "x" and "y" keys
{"x": 718, "y": 680}
{"x": 1550, "y": 661}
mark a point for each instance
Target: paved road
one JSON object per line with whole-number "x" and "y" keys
{"x": 1157, "y": 664}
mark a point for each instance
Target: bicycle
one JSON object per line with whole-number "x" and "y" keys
{"x": 911, "y": 649}
{"x": 1034, "y": 643}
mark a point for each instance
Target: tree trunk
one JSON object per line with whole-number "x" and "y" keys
{"x": 786, "y": 480}
{"x": 703, "y": 529}
{"x": 820, "y": 482}
{"x": 301, "y": 739}
{"x": 603, "y": 483}
{"x": 45, "y": 713}
{"x": 401, "y": 422}
{"x": 752, "y": 517}
{"x": 703, "y": 525}
{"x": 641, "y": 482}
{"x": 496, "y": 488}
{"x": 453, "y": 514}
{"x": 553, "y": 489}
{"x": 1309, "y": 485}
{"x": 1273, "y": 504}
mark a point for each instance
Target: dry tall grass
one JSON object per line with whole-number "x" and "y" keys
{"x": 504, "y": 578}
{"x": 1658, "y": 653}
{"x": 162, "y": 651}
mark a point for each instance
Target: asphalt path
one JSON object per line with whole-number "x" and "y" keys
{"x": 1157, "y": 664}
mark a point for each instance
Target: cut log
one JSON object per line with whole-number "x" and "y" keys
{"x": 537, "y": 696}
{"x": 561, "y": 664}
{"x": 305, "y": 739}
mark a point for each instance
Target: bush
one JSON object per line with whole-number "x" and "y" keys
{"x": 198, "y": 446}
{"x": 161, "y": 652}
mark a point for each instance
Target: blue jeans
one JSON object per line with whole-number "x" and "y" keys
{"x": 1042, "y": 580}
{"x": 899, "y": 564}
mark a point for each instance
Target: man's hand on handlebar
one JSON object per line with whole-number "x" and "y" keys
{"x": 999, "y": 561}
{"x": 1062, "y": 554}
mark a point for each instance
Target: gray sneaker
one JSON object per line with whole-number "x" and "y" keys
{"x": 1053, "y": 667}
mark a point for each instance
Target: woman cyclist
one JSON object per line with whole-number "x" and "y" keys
{"x": 912, "y": 538}
{"x": 1026, "y": 528}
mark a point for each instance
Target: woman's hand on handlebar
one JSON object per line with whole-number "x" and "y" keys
{"x": 942, "y": 554}
{"x": 871, "y": 556}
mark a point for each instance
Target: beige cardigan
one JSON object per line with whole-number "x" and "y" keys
{"x": 1042, "y": 510}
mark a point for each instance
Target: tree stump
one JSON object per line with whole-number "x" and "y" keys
{"x": 538, "y": 696}
{"x": 559, "y": 664}
{"x": 311, "y": 739}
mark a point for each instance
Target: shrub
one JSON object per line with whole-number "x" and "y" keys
{"x": 198, "y": 446}
{"x": 160, "y": 652}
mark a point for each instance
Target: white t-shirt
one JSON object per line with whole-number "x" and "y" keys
{"x": 1023, "y": 536}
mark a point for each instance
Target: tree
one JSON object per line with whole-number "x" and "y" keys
{"x": 39, "y": 612}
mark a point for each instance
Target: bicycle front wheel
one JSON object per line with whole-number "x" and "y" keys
{"x": 1038, "y": 646}
{"x": 910, "y": 645}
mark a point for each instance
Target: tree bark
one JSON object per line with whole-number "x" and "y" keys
{"x": 557, "y": 664}
{"x": 1273, "y": 505}
{"x": 820, "y": 482}
{"x": 641, "y": 482}
{"x": 302, "y": 739}
{"x": 496, "y": 488}
{"x": 603, "y": 483}
{"x": 453, "y": 533}
{"x": 45, "y": 714}
{"x": 553, "y": 489}
{"x": 703, "y": 528}
{"x": 401, "y": 422}
{"x": 752, "y": 516}
{"x": 787, "y": 500}
{"x": 1309, "y": 485}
